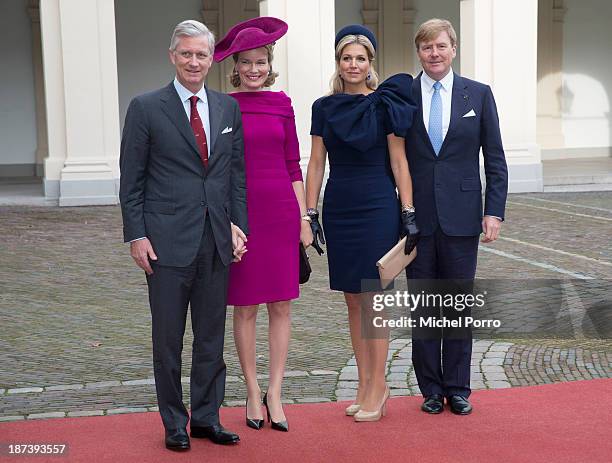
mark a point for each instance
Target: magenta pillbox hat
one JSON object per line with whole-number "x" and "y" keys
{"x": 247, "y": 35}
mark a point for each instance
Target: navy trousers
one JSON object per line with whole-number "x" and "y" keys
{"x": 442, "y": 362}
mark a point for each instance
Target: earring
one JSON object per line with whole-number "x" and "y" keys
{"x": 369, "y": 76}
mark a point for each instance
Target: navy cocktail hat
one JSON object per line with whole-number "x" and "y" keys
{"x": 355, "y": 29}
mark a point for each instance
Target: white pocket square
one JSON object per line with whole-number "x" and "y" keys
{"x": 471, "y": 113}
{"x": 229, "y": 129}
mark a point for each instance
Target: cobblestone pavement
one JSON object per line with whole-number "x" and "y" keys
{"x": 75, "y": 324}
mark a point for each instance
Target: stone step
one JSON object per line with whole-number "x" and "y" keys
{"x": 573, "y": 188}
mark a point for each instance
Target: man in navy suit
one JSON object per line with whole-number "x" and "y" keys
{"x": 457, "y": 118}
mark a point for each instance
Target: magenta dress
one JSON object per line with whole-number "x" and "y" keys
{"x": 269, "y": 271}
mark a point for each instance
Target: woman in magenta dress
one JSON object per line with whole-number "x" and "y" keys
{"x": 268, "y": 273}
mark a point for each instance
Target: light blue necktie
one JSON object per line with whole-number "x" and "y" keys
{"x": 435, "y": 119}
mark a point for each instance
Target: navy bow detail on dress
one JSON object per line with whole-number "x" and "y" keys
{"x": 352, "y": 118}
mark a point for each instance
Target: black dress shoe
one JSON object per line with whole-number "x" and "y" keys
{"x": 177, "y": 440}
{"x": 433, "y": 404}
{"x": 216, "y": 433}
{"x": 276, "y": 425}
{"x": 459, "y": 405}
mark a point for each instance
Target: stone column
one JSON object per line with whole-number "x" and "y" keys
{"x": 304, "y": 57}
{"x": 79, "y": 51}
{"x": 372, "y": 15}
{"x": 409, "y": 16}
{"x": 496, "y": 53}
{"x": 42, "y": 148}
{"x": 551, "y": 15}
{"x": 392, "y": 21}
{"x": 212, "y": 16}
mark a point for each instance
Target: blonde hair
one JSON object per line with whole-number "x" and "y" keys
{"x": 429, "y": 30}
{"x": 337, "y": 84}
{"x": 234, "y": 77}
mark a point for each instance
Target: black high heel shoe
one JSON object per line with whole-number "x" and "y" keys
{"x": 251, "y": 423}
{"x": 281, "y": 425}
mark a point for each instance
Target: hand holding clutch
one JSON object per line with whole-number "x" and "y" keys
{"x": 394, "y": 262}
{"x": 305, "y": 269}
{"x": 410, "y": 231}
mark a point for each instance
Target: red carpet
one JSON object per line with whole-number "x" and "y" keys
{"x": 564, "y": 422}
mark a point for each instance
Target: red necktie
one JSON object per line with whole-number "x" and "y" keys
{"x": 198, "y": 130}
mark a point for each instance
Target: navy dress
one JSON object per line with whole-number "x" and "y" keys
{"x": 361, "y": 211}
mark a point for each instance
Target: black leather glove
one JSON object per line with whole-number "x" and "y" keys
{"x": 410, "y": 230}
{"x": 317, "y": 232}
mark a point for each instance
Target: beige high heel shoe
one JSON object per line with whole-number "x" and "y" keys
{"x": 352, "y": 409}
{"x": 376, "y": 415}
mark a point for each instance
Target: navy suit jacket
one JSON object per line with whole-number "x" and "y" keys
{"x": 447, "y": 188}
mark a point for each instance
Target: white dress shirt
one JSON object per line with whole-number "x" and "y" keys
{"x": 446, "y": 94}
{"x": 202, "y": 106}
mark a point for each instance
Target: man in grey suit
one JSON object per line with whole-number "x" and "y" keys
{"x": 183, "y": 201}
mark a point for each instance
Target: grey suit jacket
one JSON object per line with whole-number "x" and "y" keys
{"x": 165, "y": 191}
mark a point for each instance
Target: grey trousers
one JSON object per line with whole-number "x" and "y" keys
{"x": 203, "y": 286}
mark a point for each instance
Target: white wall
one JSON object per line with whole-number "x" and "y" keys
{"x": 587, "y": 74}
{"x": 348, "y": 12}
{"x": 144, "y": 28}
{"x": 17, "y": 105}
{"x": 443, "y": 9}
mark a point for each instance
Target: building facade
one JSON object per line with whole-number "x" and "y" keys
{"x": 71, "y": 67}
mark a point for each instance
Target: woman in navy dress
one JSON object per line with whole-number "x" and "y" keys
{"x": 362, "y": 126}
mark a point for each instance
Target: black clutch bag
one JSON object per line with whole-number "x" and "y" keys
{"x": 305, "y": 269}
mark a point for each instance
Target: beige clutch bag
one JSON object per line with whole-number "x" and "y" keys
{"x": 391, "y": 264}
